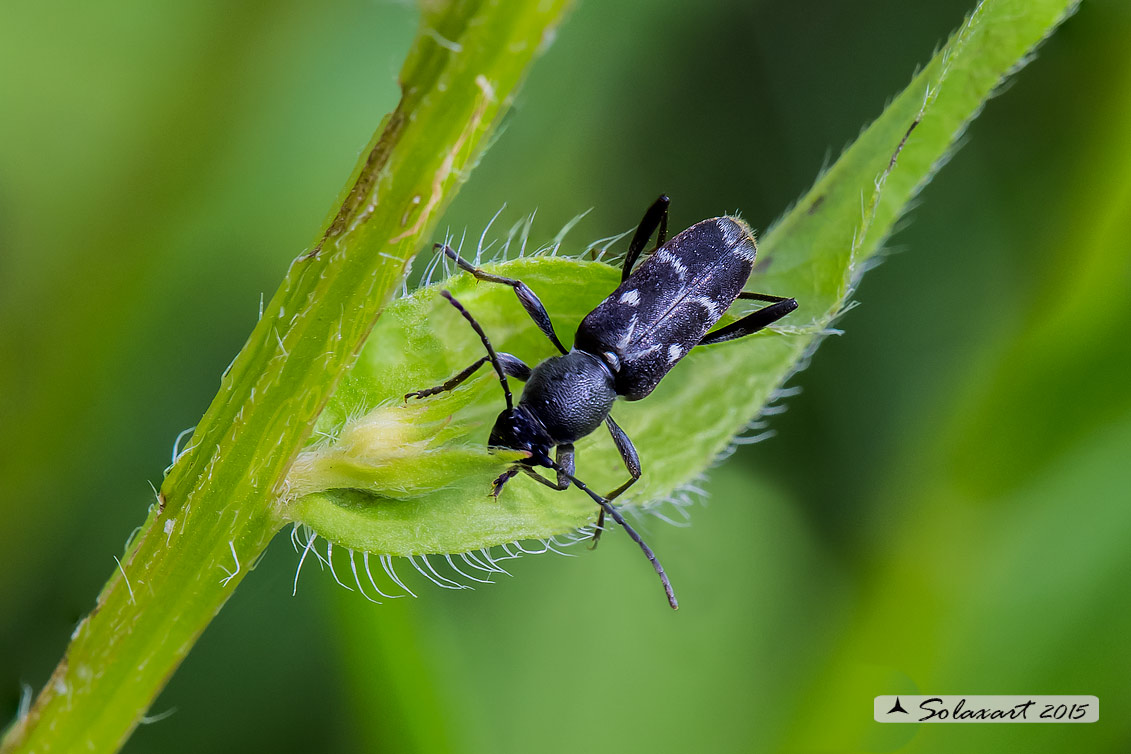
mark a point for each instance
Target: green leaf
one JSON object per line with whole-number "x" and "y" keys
{"x": 423, "y": 464}
{"x": 418, "y": 474}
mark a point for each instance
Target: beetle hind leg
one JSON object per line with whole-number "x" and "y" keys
{"x": 753, "y": 322}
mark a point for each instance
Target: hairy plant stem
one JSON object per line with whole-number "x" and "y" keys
{"x": 218, "y": 507}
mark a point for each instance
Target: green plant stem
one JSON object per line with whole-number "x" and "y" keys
{"x": 217, "y": 509}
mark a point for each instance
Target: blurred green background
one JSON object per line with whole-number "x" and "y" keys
{"x": 944, "y": 509}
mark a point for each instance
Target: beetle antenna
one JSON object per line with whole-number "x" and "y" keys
{"x": 612, "y": 511}
{"x": 494, "y": 357}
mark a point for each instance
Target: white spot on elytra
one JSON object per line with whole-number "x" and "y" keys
{"x": 626, "y": 335}
{"x": 674, "y": 352}
{"x": 680, "y": 268}
{"x": 639, "y": 355}
{"x": 631, "y": 298}
{"x": 709, "y": 305}
{"x": 738, "y": 238}
{"x": 666, "y": 256}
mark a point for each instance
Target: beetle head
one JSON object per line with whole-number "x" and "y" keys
{"x": 516, "y": 429}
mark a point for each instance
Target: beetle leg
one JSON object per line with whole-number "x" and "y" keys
{"x": 497, "y": 485}
{"x": 530, "y": 302}
{"x": 751, "y": 296}
{"x": 512, "y": 365}
{"x": 752, "y": 322}
{"x": 564, "y": 457}
{"x": 608, "y": 507}
{"x": 631, "y": 462}
{"x": 655, "y": 217}
{"x": 627, "y": 453}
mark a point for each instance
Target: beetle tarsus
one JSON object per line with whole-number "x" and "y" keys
{"x": 598, "y": 530}
{"x": 497, "y": 485}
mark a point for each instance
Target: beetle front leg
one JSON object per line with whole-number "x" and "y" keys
{"x": 565, "y": 457}
{"x": 631, "y": 462}
{"x": 530, "y": 302}
{"x": 497, "y": 485}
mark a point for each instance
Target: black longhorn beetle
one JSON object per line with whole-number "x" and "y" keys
{"x": 624, "y": 348}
